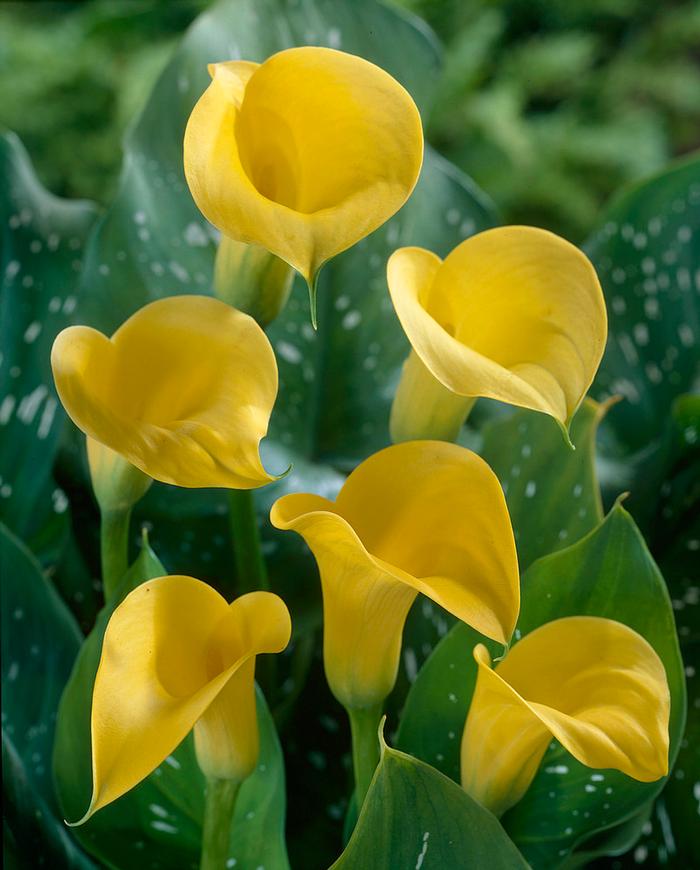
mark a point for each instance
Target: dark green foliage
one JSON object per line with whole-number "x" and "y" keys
{"x": 552, "y": 105}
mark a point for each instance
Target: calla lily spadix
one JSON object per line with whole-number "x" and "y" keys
{"x": 515, "y": 314}
{"x": 304, "y": 154}
{"x": 426, "y": 517}
{"x": 594, "y": 684}
{"x": 183, "y": 390}
{"x": 175, "y": 657}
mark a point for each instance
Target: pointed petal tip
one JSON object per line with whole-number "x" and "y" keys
{"x": 85, "y": 818}
{"x": 312, "y": 284}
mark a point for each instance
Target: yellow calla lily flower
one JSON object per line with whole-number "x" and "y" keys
{"x": 304, "y": 154}
{"x": 183, "y": 390}
{"x": 424, "y": 516}
{"x": 594, "y": 684}
{"x": 176, "y": 656}
{"x": 515, "y": 314}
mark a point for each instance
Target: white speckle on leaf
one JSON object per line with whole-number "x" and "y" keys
{"x": 641, "y": 334}
{"x": 165, "y": 827}
{"x": 195, "y": 236}
{"x": 47, "y": 416}
{"x": 31, "y": 333}
{"x": 289, "y": 352}
{"x": 12, "y": 269}
{"x": 179, "y": 271}
{"x": 423, "y": 851}
{"x": 685, "y": 334}
{"x": 559, "y": 769}
{"x": 29, "y": 405}
{"x": 411, "y": 664}
{"x": 6, "y": 408}
{"x": 352, "y": 319}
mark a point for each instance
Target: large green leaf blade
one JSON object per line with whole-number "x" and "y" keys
{"x": 39, "y": 643}
{"x": 414, "y": 816}
{"x": 647, "y": 254}
{"x": 552, "y": 491}
{"x": 42, "y": 241}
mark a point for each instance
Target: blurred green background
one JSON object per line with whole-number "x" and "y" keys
{"x": 550, "y": 105}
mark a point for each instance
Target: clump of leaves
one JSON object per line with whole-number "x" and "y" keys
{"x": 552, "y": 106}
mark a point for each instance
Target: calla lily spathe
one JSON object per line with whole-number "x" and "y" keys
{"x": 424, "y": 517}
{"x": 515, "y": 314}
{"x": 183, "y": 391}
{"x": 176, "y": 656}
{"x": 304, "y": 154}
{"x": 594, "y": 684}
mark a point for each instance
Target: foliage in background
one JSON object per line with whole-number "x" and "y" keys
{"x": 551, "y": 105}
{"x": 85, "y": 70}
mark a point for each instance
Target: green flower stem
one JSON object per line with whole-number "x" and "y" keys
{"x": 250, "y": 565}
{"x": 364, "y": 725}
{"x": 114, "y": 548}
{"x": 218, "y": 815}
{"x": 251, "y": 570}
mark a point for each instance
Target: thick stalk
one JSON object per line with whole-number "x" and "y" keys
{"x": 250, "y": 565}
{"x": 251, "y": 570}
{"x": 364, "y": 726}
{"x": 114, "y": 548}
{"x": 218, "y": 815}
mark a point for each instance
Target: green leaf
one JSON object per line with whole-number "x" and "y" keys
{"x": 648, "y": 257}
{"x": 413, "y": 816}
{"x": 40, "y": 263}
{"x": 552, "y": 491}
{"x": 42, "y": 241}
{"x": 39, "y": 643}
{"x": 608, "y": 573}
{"x": 647, "y": 254}
{"x": 161, "y": 819}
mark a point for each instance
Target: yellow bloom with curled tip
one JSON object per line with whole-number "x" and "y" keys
{"x": 183, "y": 390}
{"x": 425, "y": 516}
{"x": 304, "y": 154}
{"x": 175, "y": 657}
{"x": 515, "y": 314}
{"x": 594, "y": 684}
